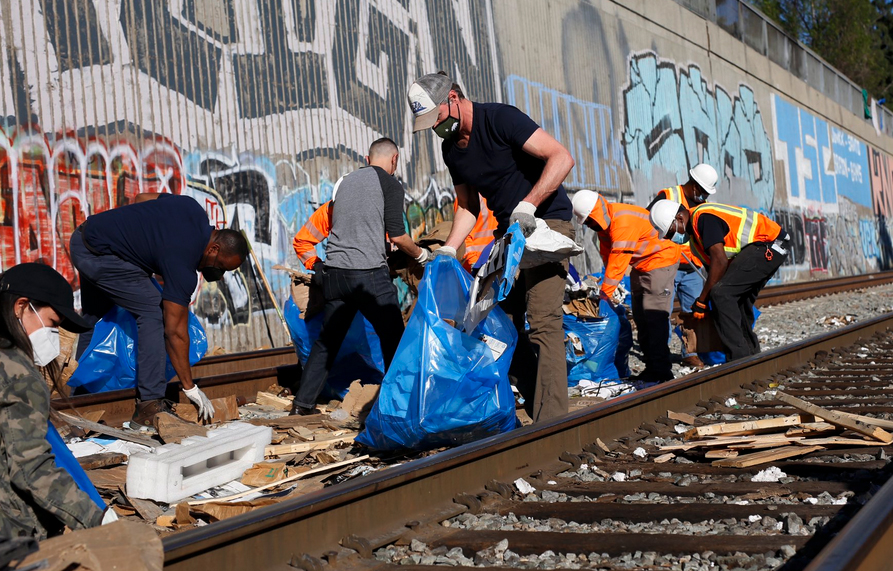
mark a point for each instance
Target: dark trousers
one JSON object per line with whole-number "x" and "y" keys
{"x": 652, "y": 303}
{"x": 539, "y": 366}
{"x": 370, "y": 292}
{"x": 734, "y": 295}
{"x": 107, "y": 281}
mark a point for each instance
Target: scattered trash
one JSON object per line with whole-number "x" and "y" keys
{"x": 640, "y": 453}
{"x": 523, "y": 486}
{"x": 770, "y": 474}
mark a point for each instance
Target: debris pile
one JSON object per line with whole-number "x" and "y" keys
{"x": 757, "y": 442}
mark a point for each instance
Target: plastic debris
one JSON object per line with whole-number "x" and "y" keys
{"x": 523, "y": 486}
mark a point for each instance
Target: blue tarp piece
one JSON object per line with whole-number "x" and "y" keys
{"x": 109, "y": 362}
{"x": 444, "y": 387}
{"x": 359, "y": 357}
{"x": 66, "y": 460}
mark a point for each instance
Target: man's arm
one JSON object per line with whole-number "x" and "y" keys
{"x": 559, "y": 163}
{"x": 468, "y": 206}
{"x": 719, "y": 263}
{"x": 314, "y": 231}
{"x": 176, "y": 340}
{"x": 406, "y": 245}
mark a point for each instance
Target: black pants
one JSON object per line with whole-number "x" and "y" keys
{"x": 734, "y": 295}
{"x": 370, "y": 292}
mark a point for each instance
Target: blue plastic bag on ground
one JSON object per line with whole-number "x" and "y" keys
{"x": 360, "y": 355}
{"x": 590, "y": 345}
{"x": 445, "y": 387}
{"x": 66, "y": 460}
{"x": 109, "y": 362}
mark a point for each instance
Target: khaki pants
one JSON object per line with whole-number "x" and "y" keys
{"x": 652, "y": 303}
{"x": 538, "y": 366}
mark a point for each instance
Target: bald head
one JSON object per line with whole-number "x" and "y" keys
{"x": 383, "y": 153}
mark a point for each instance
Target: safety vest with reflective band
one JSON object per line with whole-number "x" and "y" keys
{"x": 745, "y": 227}
{"x": 480, "y": 236}
{"x": 630, "y": 239}
{"x": 314, "y": 231}
{"x": 676, "y": 194}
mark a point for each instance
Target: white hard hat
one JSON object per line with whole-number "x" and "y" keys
{"x": 662, "y": 215}
{"x": 705, "y": 176}
{"x": 584, "y": 201}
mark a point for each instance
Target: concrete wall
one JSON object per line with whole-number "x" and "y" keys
{"x": 255, "y": 108}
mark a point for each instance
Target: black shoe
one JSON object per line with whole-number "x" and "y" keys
{"x": 145, "y": 412}
{"x": 298, "y": 410}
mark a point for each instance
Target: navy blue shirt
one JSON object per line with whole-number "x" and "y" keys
{"x": 495, "y": 165}
{"x": 166, "y": 236}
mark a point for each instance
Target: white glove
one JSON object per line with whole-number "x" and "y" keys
{"x": 424, "y": 256}
{"x": 201, "y": 400}
{"x": 109, "y": 516}
{"x": 525, "y": 215}
{"x": 445, "y": 251}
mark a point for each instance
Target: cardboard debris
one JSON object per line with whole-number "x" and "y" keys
{"x": 172, "y": 429}
{"x": 102, "y": 460}
{"x": 682, "y": 417}
{"x": 121, "y": 545}
{"x": 359, "y": 399}
{"x": 279, "y": 449}
{"x": 277, "y": 402}
{"x": 109, "y": 478}
{"x": 264, "y": 473}
{"x": 102, "y": 429}
{"x": 225, "y": 409}
{"x": 222, "y": 510}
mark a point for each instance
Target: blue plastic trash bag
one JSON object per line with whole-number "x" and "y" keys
{"x": 109, "y": 362}
{"x": 590, "y": 345}
{"x": 360, "y": 355}
{"x": 444, "y": 387}
{"x": 66, "y": 460}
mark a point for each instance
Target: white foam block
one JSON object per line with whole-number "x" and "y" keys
{"x": 176, "y": 471}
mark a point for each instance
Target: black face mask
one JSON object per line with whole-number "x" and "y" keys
{"x": 212, "y": 273}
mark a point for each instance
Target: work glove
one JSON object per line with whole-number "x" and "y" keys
{"x": 109, "y": 516}
{"x": 524, "y": 215}
{"x": 445, "y": 251}
{"x": 316, "y": 278}
{"x": 424, "y": 256}
{"x": 608, "y": 298}
{"x": 201, "y": 400}
{"x": 699, "y": 309}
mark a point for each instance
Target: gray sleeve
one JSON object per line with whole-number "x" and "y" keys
{"x": 393, "y": 204}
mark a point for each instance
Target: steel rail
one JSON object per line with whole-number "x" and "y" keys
{"x": 378, "y": 507}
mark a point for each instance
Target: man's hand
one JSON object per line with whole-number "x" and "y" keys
{"x": 605, "y": 297}
{"x": 201, "y": 400}
{"x": 424, "y": 256}
{"x": 445, "y": 251}
{"x": 699, "y": 309}
{"x": 524, "y": 215}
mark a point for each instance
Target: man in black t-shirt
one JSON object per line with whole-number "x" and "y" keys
{"x": 497, "y": 151}
{"x": 116, "y": 253}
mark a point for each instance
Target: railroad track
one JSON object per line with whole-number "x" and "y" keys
{"x": 244, "y": 374}
{"x": 598, "y": 503}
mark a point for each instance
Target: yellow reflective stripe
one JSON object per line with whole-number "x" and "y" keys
{"x": 314, "y": 231}
{"x": 476, "y": 248}
{"x": 609, "y": 281}
{"x": 307, "y": 255}
{"x": 620, "y": 244}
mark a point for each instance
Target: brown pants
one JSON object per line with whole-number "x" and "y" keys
{"x": 538, "y": 366}
{"x": 652, "y": 303}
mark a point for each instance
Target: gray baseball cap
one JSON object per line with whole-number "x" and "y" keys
{"x": 425, "y": 96}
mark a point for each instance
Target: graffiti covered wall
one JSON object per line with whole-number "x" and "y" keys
{"x": 256, "y": 107}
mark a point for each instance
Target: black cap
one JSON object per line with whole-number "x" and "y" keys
{"x": 39, "y": 282}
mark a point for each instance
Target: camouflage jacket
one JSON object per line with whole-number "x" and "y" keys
{"x": 34, "y": 491}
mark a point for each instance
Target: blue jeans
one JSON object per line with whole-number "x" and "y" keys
{"x": 688, "y": 287}
{"x": 107, "y": 281}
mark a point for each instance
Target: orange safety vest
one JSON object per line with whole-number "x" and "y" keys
{"x": 314, "y": 231}
{"x": 629, "y": 239}
{"x": 676, "y": 194}
{"x": 480, "y": 236}
{"x": 745, "y": 227}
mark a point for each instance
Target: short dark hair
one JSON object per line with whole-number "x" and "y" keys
{"x": 232, "y": 243}
{"x": 383, "y": 147}
{"x": 454, "y": 87}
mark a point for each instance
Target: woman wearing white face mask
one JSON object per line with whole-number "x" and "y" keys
{"x": 37, "y": 497}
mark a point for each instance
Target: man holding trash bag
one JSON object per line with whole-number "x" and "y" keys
{"x": 626, "y": 238}
{"x": 689, "y": 283}
{"x": 366, "y": 212}
{"x": 116, "y": 253}
{"x": 519, "y": 169}
{"x": 741, "y": 248}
